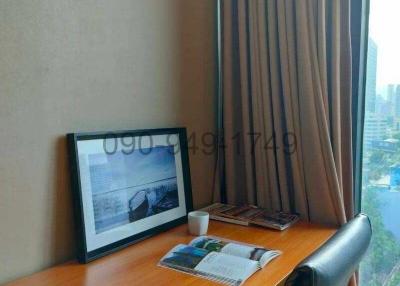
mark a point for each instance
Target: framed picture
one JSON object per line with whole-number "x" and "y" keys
{"x": 127, "y": 185}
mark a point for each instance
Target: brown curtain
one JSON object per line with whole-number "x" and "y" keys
{"x": 286, "y": 72}
{"x": 286, "y": 90}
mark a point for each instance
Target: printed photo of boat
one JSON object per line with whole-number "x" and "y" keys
{"x": 130, "y": 187}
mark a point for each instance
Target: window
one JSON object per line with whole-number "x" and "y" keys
{"x": 381, "y": 146}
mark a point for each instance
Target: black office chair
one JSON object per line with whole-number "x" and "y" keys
{"x": 336, "y": 260}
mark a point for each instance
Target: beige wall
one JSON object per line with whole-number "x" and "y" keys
{"x": 69, "y": 65}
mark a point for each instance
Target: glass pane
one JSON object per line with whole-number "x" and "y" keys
{"x": 381, "y": 155}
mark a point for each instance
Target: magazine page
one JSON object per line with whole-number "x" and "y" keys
{"x": 216, "y": 209}
{"x": 214, "y": 266}
{"x": 248, "y": 214}
{"x": 279, "y": 220}
{"x": 228, "y": 266}
{"x": 253, "y": 252}
{"x": 240, "y": 212}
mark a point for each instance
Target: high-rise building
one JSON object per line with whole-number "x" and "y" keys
{"x": 397, "y": 101}
{"x": 391, "y": 88}
{"x": 370, "y": 88}
{"x": 393, "y": 98}
{"x": 390, "y": 92}
{"x": 380, "y": 104}
{"x": 375, "y": 128}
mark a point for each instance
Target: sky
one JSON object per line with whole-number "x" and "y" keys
{"x": 118, "y": 171}
{"x": 384, "y": 29}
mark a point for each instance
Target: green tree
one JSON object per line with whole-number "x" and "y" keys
{"x": 384, "y": 251}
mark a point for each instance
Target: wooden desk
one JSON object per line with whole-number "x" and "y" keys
{"x": 137, "y": 264}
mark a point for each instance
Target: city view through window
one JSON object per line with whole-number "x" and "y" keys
{"x": 381, "y": 148}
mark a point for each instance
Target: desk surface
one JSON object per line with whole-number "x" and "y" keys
{"x": 137, "y": 264}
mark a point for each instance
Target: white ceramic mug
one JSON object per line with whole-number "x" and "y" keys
{"x": 198, "y": 222}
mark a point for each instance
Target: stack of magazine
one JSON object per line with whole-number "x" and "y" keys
{"x": 246, "y": 215}
{"x": 217, "y": 259}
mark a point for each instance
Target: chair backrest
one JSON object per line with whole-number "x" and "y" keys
{"x": 337, "y": 259}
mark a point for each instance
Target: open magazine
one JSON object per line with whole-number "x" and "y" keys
{"x": 221, "y": 260}
{"x": 245, "y": 215}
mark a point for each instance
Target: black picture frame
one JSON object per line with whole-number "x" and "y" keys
{"x": 83, "y": 254}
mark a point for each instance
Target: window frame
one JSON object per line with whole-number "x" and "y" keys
{"x": 359, "y": 42}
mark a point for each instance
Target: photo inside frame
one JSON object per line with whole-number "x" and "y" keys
{"x": 127, "y": 187}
